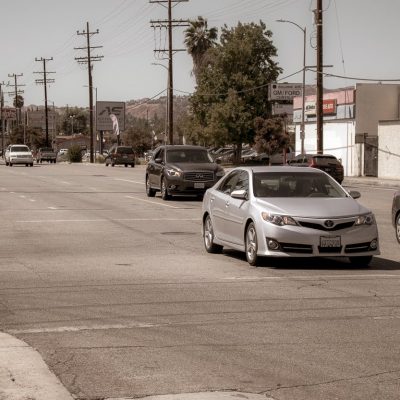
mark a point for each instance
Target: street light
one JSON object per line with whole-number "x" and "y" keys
{"x": 302, "y": 130}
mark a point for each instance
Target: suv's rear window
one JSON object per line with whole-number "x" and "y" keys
{"x": 125, "y": 150}
{"x": 46, "y": 149}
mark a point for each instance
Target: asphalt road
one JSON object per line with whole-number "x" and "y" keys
{"x": 116, "y": 292}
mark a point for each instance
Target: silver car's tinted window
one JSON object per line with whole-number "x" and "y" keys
{"x": 287, "y": 184}
{"x": 19, "y": 148}
{"x": 229, "y": 182}
{"x": 188, "y": 156}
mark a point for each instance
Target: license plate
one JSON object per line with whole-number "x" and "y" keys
{"x": 199, "y": 185}
{"x": 124, "y": 156}
{"x": 329, "y": 241}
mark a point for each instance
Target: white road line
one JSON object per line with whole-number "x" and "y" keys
{"x": 52, "y": 208}
{"x": 152, "y": 202}
{"x": 66, "y": 183}
{"x": 32, "y": 200}
{"x": 127, "y": 180}
{"x": 22, "y": 196}
{"x": 40, "y": 221}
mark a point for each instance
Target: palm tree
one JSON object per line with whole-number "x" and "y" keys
{"x": 198, "y": 39}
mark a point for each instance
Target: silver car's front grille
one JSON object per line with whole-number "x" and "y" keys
{"x": 199, "y": 176}
{"x": 321, "y": 227}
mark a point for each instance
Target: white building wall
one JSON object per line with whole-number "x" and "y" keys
{"x": 389, "y": 150}
{"x": 339, "y": 138}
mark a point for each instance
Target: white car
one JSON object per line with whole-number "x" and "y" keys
{"x": 287, "y": 212}
{"x": 18, "y": 154}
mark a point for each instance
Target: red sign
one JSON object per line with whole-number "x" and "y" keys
{"x": 329, "y": 106}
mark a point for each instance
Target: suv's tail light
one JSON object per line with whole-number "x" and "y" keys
{"x": 312, "y": 164}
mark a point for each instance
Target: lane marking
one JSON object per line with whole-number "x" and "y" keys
{"x": 66, "y": 183}
{"x": 32, "y": 200}
{"x": 52, "y": 208}
{"x": 37, "y": 221}
{"x": 127, "y": 180}
{"x": 22, "y": 196}
{"x": 152, "y": 202}
{"x": 61, "y": 329}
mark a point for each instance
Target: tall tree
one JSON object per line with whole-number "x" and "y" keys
{"x": 198, "y": 39}
{"x": 233, "y": 90}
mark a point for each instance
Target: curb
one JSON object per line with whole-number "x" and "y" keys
{"x": 24, "y": 375}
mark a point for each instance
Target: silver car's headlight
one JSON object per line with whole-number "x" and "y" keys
{"x": 276, "y": 219}
{"x": 368, "y": 219}
{"x": 173, "y": 172}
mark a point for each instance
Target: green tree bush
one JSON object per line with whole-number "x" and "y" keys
{"x": 74, "y": 154}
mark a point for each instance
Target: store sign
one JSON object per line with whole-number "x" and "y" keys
{"x": 328, "y": 107}
{"x": 37, "y": 119}
{"x": 284, "y": 91}
{"x": 103, "y": 111}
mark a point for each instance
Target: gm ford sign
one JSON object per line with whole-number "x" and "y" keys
{"x": 284, "y": 91}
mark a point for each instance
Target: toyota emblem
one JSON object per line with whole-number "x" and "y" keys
{"x": 328, "y": 223}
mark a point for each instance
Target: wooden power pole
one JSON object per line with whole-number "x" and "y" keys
{"x": 320, "y": 87}
{"x": 88, "y": 60}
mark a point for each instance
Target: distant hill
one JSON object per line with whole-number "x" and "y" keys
{"x": 145, "y": 108}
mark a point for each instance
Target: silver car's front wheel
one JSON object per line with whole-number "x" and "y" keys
{"x": 398, "y": 228}
{"x": 251, "y": 244}
{"x": 208, "y": 237}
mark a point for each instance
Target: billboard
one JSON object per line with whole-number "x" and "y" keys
{"x": 104, "y": 115}
{"x": 284, "y": 91}
{"x": 328, "y": 107}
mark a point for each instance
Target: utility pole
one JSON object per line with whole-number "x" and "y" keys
{"x": 169, "y": 24}
{"x": 2, "y": 117}
{"x": 16, "y": 93}
{"x": 44, "y": 82}
{"x": 88, "y": 60}
{"x": 320, "y": 87}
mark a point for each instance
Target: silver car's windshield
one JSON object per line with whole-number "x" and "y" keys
{"x": 19, "y": 148}
{"x": 188, "y": 156}
{"x": 295, "y": 184}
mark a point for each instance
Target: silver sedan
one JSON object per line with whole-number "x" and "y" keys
{"x": 287, "y": 212}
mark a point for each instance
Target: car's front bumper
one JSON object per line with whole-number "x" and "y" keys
{"x": 21, "y": 160}
{"x": 298, "y": 241}
{"x": 179, "y": 186}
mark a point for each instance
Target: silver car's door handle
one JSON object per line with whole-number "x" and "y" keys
{"x": 212, "y": 198}
{"x": 227, "y": 204}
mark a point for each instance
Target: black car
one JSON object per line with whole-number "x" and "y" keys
{"x": 396, "y": 214}
{"x": 121, "y": 155}
{"x": 325, "y": 162}
{"x": 181, "y": 170}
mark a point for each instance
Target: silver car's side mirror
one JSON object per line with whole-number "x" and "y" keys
{"x": 354, "y": 194}
{"x": 239, "y": 194}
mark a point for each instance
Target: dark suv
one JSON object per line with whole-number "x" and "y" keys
{"x": 121, "y": 155}
{"x": 325, "y": 162}
{"x": 181, "y": 170}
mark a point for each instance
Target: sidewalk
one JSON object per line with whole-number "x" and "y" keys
{"x": 24, "y": 375}
{"x": 371, "y": 181}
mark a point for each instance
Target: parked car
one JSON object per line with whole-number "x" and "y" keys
{"x": 181, "y": 170}
{"x": 396, "y": 214}
{"x": 46, "y": 154}
{"x": 325, "y": 162}
{"x": 18, "y": 154}
{"x": 121, "y": 155}
{"x": 287, "y": 212}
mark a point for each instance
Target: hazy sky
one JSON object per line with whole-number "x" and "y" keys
{"x": 360, "y": 40}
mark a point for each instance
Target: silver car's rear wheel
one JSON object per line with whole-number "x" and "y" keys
{"x": 208, "y": 237}
{"x": 251, "y": 244}
{"x": 398, "y": 227}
